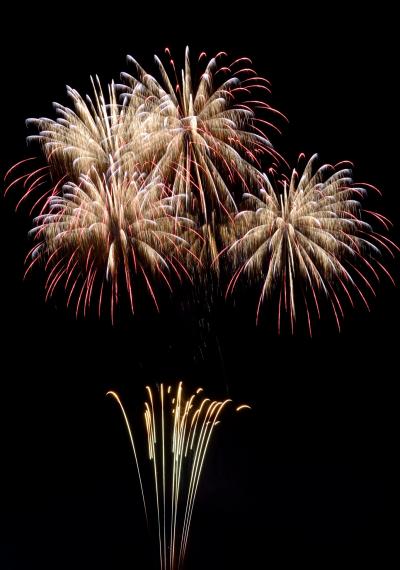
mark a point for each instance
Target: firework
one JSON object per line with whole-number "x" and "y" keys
{"x": 307, "y": 237}
{"x": 100, "y": 222}
{"x": 90, "y": 136}
{"x": 179, "y": 431}
{"x": 205, "y": 243}
{"x": 147, "y": 180}
{"x": 200, "y": 137}
{"x": 94, "y": 220}
{"x": 108, "y": 230}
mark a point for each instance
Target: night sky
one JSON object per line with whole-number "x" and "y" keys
{"x": 305, "y": 478}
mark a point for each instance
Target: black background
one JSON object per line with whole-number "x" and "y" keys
{"x": 305, "y": 478}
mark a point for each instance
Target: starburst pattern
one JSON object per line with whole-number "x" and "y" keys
{"x": 108, "y": 230}
{"x": 90, "y": 134}
{"x": 306, "y": 237}
{"x": 174, "y": 158}
{"x": 200, "y": 137}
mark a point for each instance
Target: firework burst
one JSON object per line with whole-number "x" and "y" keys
{"x": 179, "y": 431}
{"x": 100, "y": 224}
{"x": 202, "y": 138}
{"x": 306, "y": 237}
{"x": 89, "y": 136}
{"x": 111, "y": 230}
{"x": 147, "y": 181}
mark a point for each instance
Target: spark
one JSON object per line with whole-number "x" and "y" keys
{"x": 243, "y": 407}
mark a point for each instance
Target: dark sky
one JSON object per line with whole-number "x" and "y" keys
{"x": 306, "y": 477}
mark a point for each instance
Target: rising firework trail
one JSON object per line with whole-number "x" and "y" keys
{"x": 179, "y": 431}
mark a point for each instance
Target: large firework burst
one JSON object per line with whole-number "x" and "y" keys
{"x": 100, "y": 222}
{"x": 106, "y": 229}
{"x": 201, "y": 137}
{"x": 179, "y": 431}
{"x": 129, "y": 170}
{"x": 307, "y": 237}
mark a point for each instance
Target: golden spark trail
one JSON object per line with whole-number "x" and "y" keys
{"x": 128, "y": 427}
{"x": 186, "y": 426}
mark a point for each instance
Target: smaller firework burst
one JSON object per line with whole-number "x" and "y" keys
{"x": 305, "y": 237}
{"x": 108, "y": 230}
